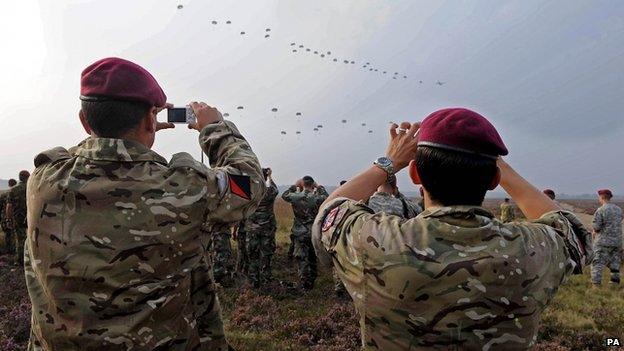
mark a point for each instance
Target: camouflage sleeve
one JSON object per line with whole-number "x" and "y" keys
{"x": 336, "y": 229}
{"x": 575, "y": 244}
{"x": 321, "y": 195}
{"x": 291, "y": 194}
{"x": 597, "y": 222}
{"x": 272, "y": 190}
{"x": 235, "y": 170}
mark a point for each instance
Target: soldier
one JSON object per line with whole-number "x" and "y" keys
{"x": 115, "y": 252}
{"x": 16, "y": 214}
{"x": 389, "y": 200}
{"x": 260, "y": 228}
{"x": 607, "y": 225}
{"x": 454, "y": 277}
{"x": 421, "y": 201}
{"x": 221, "y": 253}
{"x": 339, "y": 288}
{"x": 305, "y": 196}
{"x": 550, "y": 193}
{"x": 242, "y": 261}
{"x": 5, "y": 221}
{"x": 508, "y": 213}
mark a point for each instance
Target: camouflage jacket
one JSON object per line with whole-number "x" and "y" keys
{"x": 17, "y": 199}
{"x": 508, "y": 213}
{"x": 305, "y": 206}
{"x": 451, "y": 278}
{"x": 412, "y": 209}
{"x": 4, "y": 221}
{"x": 116, "y": 242}
{"x": 264, "y": 217}
{"x": 390, "y": 204}
{"x": 607, "y": 224}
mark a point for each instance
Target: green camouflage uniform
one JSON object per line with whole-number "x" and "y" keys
{"x": 221, "y": 253}
{"x": 116, "y": 246}
{"x": 607, "y": 224}
{"x": 451, "y": 278}
{"x": 5, "y": 225}
{"x": 17, "y": 199}
{"x": 242, "y": 262}
{"x": 260, "y": 241}
{"x": 305, "y": 206}
{"x": 507, "y": 212}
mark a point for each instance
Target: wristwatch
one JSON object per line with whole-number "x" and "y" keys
{"x": 385, "y": 164}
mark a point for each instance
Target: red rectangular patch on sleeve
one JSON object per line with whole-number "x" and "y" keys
{"x": 240, "y": 186}
{"x": 329, "y": 219}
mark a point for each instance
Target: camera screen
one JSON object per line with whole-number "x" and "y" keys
{"x": 176, "y": 115}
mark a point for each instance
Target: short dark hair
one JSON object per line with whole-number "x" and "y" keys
{"x": 114, "y": 118}
{"x": 308, "y": 181}
{"x": 342, "y": 182}
{"x": 12, "y": 182}
{"x": 23, "y": 176}
{"x": 506, "y": 199}
{"x": 453, "y": 177}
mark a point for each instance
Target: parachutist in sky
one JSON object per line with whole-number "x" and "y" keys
{"x": 240, "y": 108}
{"x": 180, "y": 7}
{"x": 274, "y": 109}
{"x": 214, "y": 22}
{"x": 298, "y": 114}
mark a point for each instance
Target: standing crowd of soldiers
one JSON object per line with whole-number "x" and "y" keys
{"x": 13, "y": 218}
{"x": 121, "y": 248}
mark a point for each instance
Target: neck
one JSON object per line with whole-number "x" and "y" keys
{"x": 128, "y": 136}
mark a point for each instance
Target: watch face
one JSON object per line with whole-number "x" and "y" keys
{"x": 384, "y": 161}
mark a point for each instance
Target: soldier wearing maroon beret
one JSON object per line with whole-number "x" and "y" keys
{"x": 114, "y": 254}
{"x": 607, "y": 226}
{"x": 454, "y": 276}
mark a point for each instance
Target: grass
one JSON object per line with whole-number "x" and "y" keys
{"x": 278, "y": 318}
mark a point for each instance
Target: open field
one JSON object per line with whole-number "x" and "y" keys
{"x": 280, "y": 319}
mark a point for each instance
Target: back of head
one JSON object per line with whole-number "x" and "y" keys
{"x": 12, "y": 182}
{"x": 456, "y": 156}
{"x": 506, "y": 199}
{"x": 23, "y": 176}
{"x": 114, "y": 118}
{"x": 308, "y": 181}
{"x": 342, "y": 182}
{"x": 605, "y": 194}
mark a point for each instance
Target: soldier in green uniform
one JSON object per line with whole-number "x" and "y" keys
{"x": 16, "y": 214}
{"x": 221, "y": 254}
{"x": 5, "y": 221}
{"x": 454, "y": 277}
{"x": 117, "y": 236}
{"x": 242, "y": 261}
{"x": 305, "y": 196}
{"x": 339, "y": 288}
{"x": 260, "y": 241}
{"x": 508, "y": 213}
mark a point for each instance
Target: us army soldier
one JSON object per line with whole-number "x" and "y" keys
{"x": 454, "y": 277}
{"x": 5, "y": 221}
{"x": 117, "y": 235}
{"x": 508, "y": 213}
{"x": 607, "y": 225}
{"x": 16, "y": 214}
{"x": 260, "y": 230}
{"x": 389, "y": 200}
{"x": 305, "y": 197}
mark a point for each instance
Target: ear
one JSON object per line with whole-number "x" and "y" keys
{"x": 413, "y": 172}
{"x": 495, "y": 180}
{"x": 150, "y": 120}
{"x": 83, "y": 121}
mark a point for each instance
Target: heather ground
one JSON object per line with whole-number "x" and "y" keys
{"x": 278, "y": 318}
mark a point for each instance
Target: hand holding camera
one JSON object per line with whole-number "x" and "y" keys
{"x": 197, "y": 115}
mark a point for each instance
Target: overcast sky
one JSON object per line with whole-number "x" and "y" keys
{"x": 548, "y": 74}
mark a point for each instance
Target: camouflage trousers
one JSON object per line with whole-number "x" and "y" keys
{"x": 339, "y": 287}
{"x": 208, "y": 310}
{"x": 9, "y": 242}
{"x": 260, "y": 249}
{"x": 306, "y": 260}
{"x": 221, "y": 252}
{"x": 242, "y": 261}
{"x": 291, "y": 247}
{"x": 606, "y": 256}
{"x": 19, "y": 237}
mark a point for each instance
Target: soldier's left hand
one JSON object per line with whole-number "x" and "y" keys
{"x": 403, "y": 142}
{"x": 164, "y": 125}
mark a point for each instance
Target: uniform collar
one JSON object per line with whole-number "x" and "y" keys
{"x": 116, "y": 150}
{"x": 457, "y": 211}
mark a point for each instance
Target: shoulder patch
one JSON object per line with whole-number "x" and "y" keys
{"x": 52, "y": 155}
{"x": 329, "y": 219}
{"x": 240, "y": 186}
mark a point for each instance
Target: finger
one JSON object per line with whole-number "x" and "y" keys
{"x": 195, "y": 106}
{"x": 405, "y": 126}
{"x": 192, "y": 126}
{"x": 393, "y": 130}
{"x": 414, "y": 129}
{"x": 168, "y": 105}
{"x": 169, "y": 125}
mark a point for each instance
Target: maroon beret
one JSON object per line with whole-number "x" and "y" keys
{"x": 460, "y": 129}
{"x": 605, "y": 192}
{"x": 549, "y": 192}
{"x": 118, "y": 79}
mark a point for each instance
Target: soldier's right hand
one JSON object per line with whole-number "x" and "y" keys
{"x": 403, "y": 142}
{"x": 205, "y": 115}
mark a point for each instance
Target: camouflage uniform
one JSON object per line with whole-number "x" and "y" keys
{"x": 305, "y": 206}
{"x": 5, "y": 225}
{"x": 221, "y": 253}
{"x": 115, "y": 253}
{"x": 507, "y": 212}
{"x": 396, "y": 205}
{"x": 451, "y": 278}
{"x": 242, "y": 261}
{"x": 260, "y": 242}
{"x": 607, "y": 224}
{"x": 17, "y": 199}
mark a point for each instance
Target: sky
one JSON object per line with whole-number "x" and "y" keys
{"x": 548, "y": 74}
